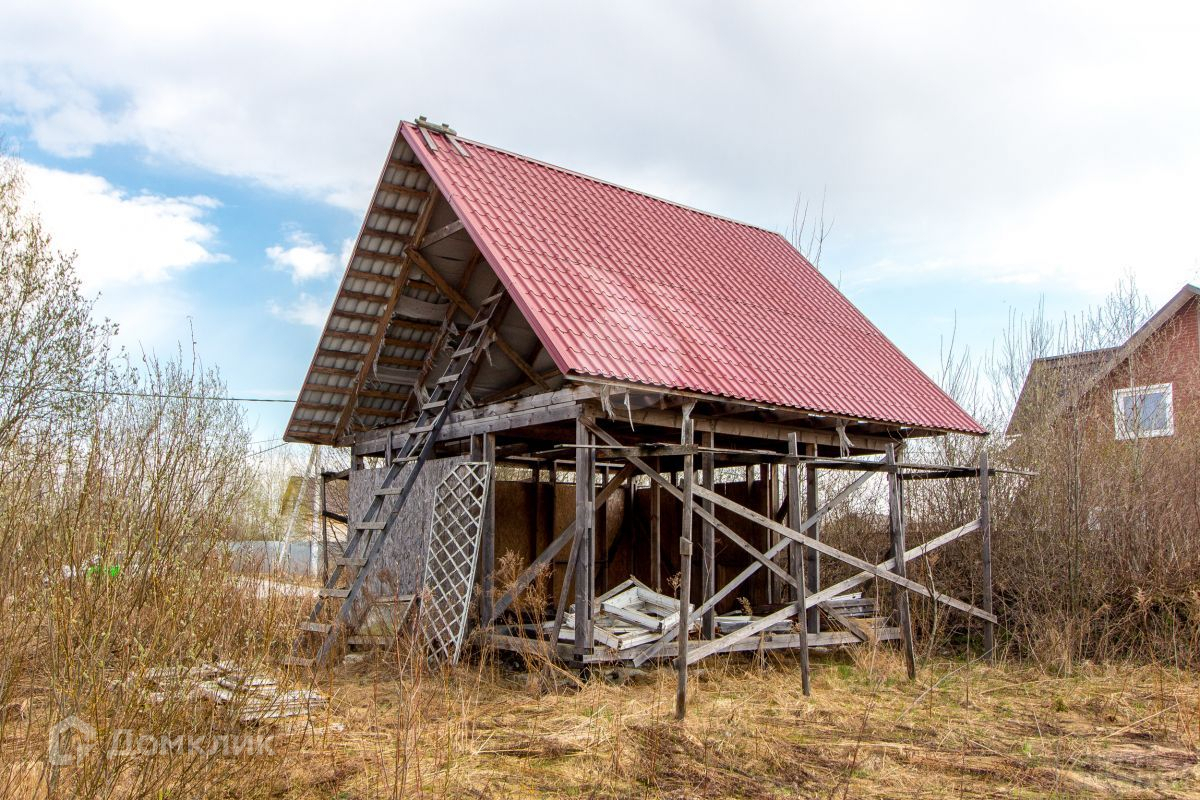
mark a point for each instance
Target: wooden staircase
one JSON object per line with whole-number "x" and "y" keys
{"x": 345, "y": 584}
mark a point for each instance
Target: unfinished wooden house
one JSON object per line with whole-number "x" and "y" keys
{"x": 561, "y": 351}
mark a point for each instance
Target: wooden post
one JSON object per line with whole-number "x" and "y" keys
{"x": 656, "y": 533}
{"x": 483, "y": 448}
{"x": 764, "y": 485}
{"x": 601, "y": 537}
{"x": 585, "y": 533}
{"x": 985, "y": 528}
{"x": 708, "y": 570}
{"x": 535, "y": 542}
{"x": 899, "y": 595}
{"x": 796, "y": 560}
{"x": 812, "y": 561}
{"x": 324, "y": 533}
{"x": 685, "y": 575}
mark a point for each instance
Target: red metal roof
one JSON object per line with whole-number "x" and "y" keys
{"x": 620, "y": 285}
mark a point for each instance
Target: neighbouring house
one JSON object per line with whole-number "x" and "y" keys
{"x": 526, "y": 360}
{"x": 1145, "y": 388}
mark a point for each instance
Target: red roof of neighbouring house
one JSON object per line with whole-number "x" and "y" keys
{"x": 620, "y": 285}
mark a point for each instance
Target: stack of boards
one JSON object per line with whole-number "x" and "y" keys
{"x": 246, "y": 696}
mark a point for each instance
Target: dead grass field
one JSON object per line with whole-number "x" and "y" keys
{"x": 961, "y": 730}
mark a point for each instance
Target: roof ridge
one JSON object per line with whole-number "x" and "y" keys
{"x": 603, "y": 182}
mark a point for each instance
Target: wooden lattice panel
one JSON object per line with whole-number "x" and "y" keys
{"x": 453, "y": 552}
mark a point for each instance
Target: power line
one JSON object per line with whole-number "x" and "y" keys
{"x": 154, "y": 395}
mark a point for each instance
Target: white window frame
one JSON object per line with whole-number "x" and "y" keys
{"x": 1119, "y": 420}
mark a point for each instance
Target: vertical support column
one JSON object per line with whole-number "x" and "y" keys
{"x": 985, "y": 529}
{"x": 685, "y": 574}
{"x": 483, "y": 448}
{"x": 324, "y": 532}
{"x": 585, "y": 535}
{"x": 552, "y": 524}
{"x": 764, "y": 487}
{"x": 708, "y": 571}
{"x": 601, "y": 549}
{"x": 656, "y": 532}
{"x": 535, "y": 541}
{"x": 899, "y": 594}
{"x": 796, "y": 559}
{"x": 812, "y": 560}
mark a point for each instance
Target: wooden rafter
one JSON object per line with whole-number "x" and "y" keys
{"x": 456, "y": 297}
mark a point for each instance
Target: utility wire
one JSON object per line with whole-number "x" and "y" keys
{"x": 156, "y": 396}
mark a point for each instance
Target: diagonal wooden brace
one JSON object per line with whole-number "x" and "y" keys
{"x": 833, "y": 552}
{"x": 828, "y": 593}
{"x": 703, "y": 513}
{"x": 568, "y": 533}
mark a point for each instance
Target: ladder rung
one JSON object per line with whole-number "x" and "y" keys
{"x": 479, "y": 323}
{"x": 315, "y": 627}
{"x": 364, "y": 639}
{"x": 466, "y": 351}
{"x": 327, "y": 592}
{"x": 373, "y": 525}
{"x": 492, "y": 299}
{"x": 433, "y": 404}
{"x": 421, "y": 429}
{"x": 390, "y": 490}
{"x": 450, "y": 378}
{"x": 296, "y": 661}
{"x": 351, "y": 562}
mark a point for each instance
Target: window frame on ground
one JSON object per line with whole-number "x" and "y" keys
{"x": 1122, "y": 415}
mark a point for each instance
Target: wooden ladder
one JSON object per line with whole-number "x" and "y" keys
{"x": 368, "y": 535}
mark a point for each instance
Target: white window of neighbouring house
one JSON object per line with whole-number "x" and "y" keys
{"x": 1143, "y": 411}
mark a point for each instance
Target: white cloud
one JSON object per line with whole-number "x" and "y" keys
{"x": 305, "y": 258}
{"x": 120, "y": 238}
{"x": 304, "y": 310}
{"x": 1003, "y": 147}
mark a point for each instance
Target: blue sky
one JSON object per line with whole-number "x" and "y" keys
{"x": 209, "y": 164}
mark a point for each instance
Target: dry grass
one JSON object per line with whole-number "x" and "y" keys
{"x": 961, "y": 730}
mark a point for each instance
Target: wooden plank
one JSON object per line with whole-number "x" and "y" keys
{"x": 796, "y": 561}
{"x": 483, "y": 448}
{"x": 985, "y": 527}
{"x": 853, "y": 561}
{"x": 685, "y": 575}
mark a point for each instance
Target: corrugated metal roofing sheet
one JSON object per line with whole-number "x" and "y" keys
{"x": 624, "y": 286}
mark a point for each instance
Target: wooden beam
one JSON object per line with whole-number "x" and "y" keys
{"x": 585, "y": 575}
{"x": 377, "y": 277}
{"x": 444, "y": 232}
{"x": 456, "y": 297}
{"x": 853, "y": 561}
{"x": 394, "y": 213}
{"x": 796, "y": 561}
{"x": 708, "y": 570}
{"x": 399, "y": 188}
{"x": 745, "y": 428}
{"x": 483, "y": 448}
{"x": 656, "y": 533}
{"x": 812, "y": 558}
{"x": 899, "y": 596}
{"x": 985, "y": 527}
{"x": 685, "y": 576}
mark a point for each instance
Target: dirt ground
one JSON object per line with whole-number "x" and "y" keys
{"x": 960, "y": 730}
